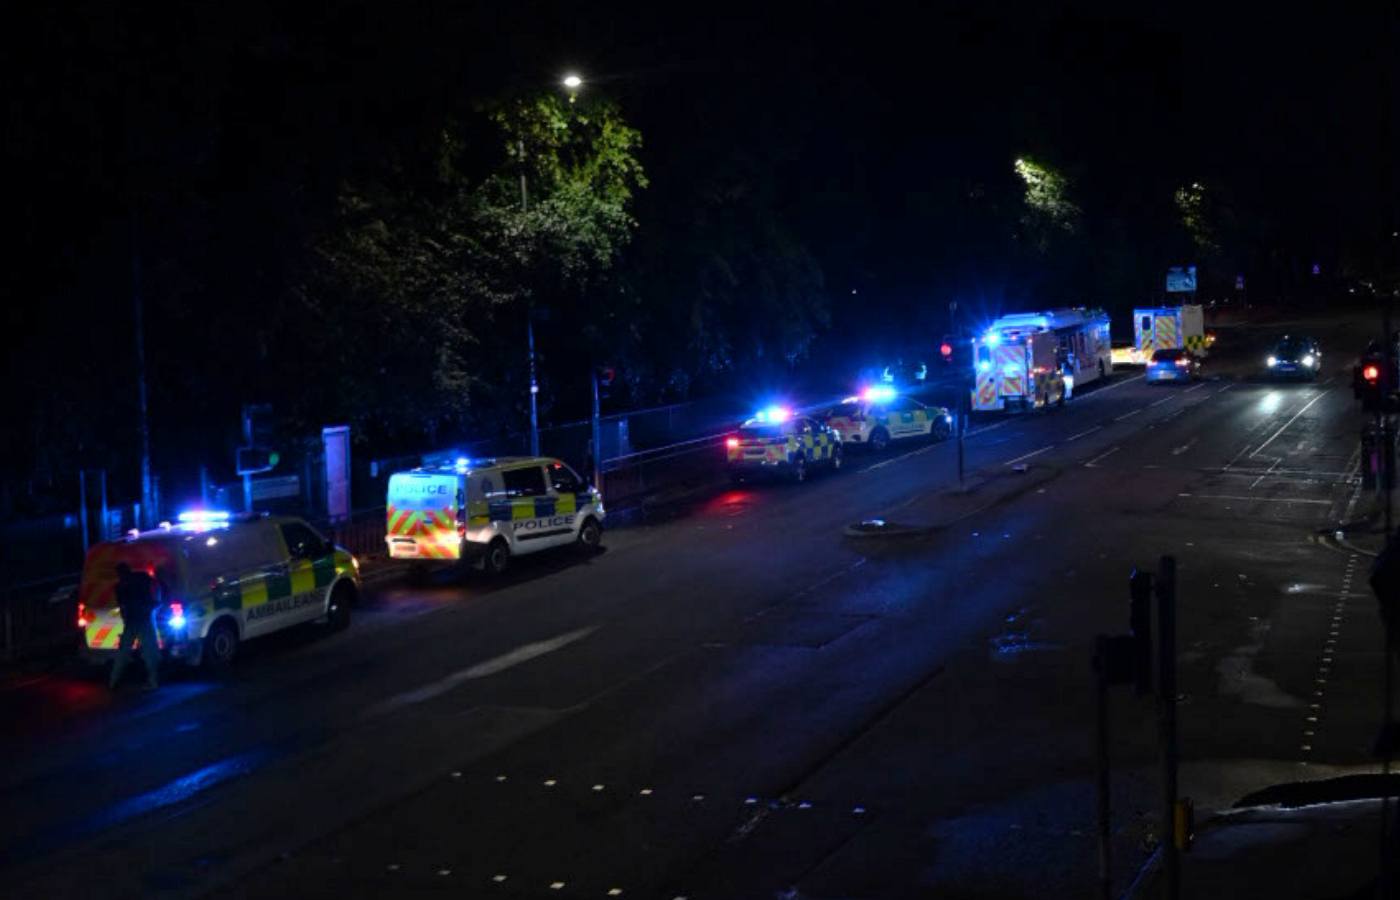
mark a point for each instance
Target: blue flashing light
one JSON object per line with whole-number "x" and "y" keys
{"x": 177, "y": 621}
{"x": 177, "y": 616}
{"x": 984, "y": 366}
{"x": 773, "y": 414}
{"x": 203, "y": 517}
{"x": 992, "y": 338}
{"x": 880, "y": 393}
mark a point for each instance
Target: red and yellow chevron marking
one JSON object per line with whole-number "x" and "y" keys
{"x": 987, "y": 392}
{"x": 1166, "y": 332}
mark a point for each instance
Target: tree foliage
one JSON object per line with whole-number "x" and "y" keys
{"x": 418, "y": 281}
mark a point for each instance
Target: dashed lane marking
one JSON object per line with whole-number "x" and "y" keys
{"x": 1084, "y": 433}
{"x": 1094, "y": 463}
{"x": 1012, "y": 462}
{"x": 1128, "y": 415}
{"x": 1285, "y": 425}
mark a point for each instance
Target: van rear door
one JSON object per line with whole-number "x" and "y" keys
{"x": 422, "y": 512}
{"x": 97, "y": 591}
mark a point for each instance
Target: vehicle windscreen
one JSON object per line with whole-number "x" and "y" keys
{"x": 1166, "y": 355}
{"x": 760, "y": 432}
{"x": 846, "y": 409}
{"x": 1290, "y": 349}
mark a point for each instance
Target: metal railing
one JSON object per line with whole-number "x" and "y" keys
{"x": 37, "y": 617}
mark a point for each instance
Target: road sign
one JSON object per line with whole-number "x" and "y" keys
{"x": 1181, "y": 279}
{"x": 337, "y": 443}
{"x": 275, "y": 488}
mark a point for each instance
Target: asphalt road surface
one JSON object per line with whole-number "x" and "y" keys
{"x": 742, "y": 702}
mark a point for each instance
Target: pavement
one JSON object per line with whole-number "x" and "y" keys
{"x": 739, "y": 700}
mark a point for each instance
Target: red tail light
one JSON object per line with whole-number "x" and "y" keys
{"x": 1371, "y": 374}
{"x": 1183, "y": 361}
{"x": 83, "y": 618}
{"x": 731, "y": 443}
{"x": 461, "y": 529}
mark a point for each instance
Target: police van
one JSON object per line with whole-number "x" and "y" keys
{"x": 483, "y": 512}
{"x": 221, "y": 579}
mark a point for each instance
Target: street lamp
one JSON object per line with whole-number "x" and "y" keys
{"x": 572, "y": 81}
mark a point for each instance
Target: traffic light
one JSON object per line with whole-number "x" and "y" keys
{"x": 1371, "y": 387}
{"x": 945, "y": 350}
{"x": 254, "y": 460}
{"x": 607, "y": 377}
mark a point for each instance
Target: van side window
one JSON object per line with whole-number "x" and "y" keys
{"x": 1146, "y": 323}
{"x": 527, "y": 482}
{"x": 302, "y": 542}
{"x": 566, "y": 481}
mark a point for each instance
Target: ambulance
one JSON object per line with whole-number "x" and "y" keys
{"x": 483, "y": 512}
{"x": 221, "y": 579}
{"x": 1170, "y": 328}
{"x": 1034, "y": 360}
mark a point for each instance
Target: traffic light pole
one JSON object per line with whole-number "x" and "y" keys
{"x": 597, "y": 454}
{"x": 1105, "y": 832}
{"x": 247, "y": 442}
{"x": 1166, "y": 712}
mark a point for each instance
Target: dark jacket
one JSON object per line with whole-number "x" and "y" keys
{"x": 136, "y": 596}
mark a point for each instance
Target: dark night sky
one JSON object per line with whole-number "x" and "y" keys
{"x": 870, "y": 127}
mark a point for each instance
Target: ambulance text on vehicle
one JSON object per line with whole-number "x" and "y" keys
{"x": 486, "y": 511}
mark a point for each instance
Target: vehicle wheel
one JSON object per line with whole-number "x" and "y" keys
{"x": 799, "y": 469}
{"x": 879, "y": 439}
{"x": 836, "y": 457}
{"x": 220, "y": 646}
{"x": 497, "y": 558}
{"x": 590, "y": 535}
{"x": 338, "y": 616}
{"x": 942, "y": 430}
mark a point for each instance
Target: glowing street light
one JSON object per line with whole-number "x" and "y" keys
{"x": 573, "y": 81}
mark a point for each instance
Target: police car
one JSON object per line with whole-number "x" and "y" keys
{"x": 880, "y": 415}
{"x": 483, "y": 512}
{"x": 777, "y": 441}
{"x": 221, "y": 579}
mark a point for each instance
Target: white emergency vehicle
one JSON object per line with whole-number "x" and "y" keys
{"x": 485, "y": 511}
{"x": 1170, "y": 328}
{"x": 879, "y": 414}
{"x": 221, "y": 579}
{"x": 1032, "y": 360}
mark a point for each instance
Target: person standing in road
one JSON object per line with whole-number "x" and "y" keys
{"x": 136, "y": 598}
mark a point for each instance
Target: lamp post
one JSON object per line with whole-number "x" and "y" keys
{"x": 572, "y": 81}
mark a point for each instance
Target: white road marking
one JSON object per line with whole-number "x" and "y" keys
{"x": 903, "y": 456}
{"x": 1160, "y": 402}
{"x": 1011, "y": 462}
{"x": 1285, "y": 425}
{"x": 1255, "y": 499}
{"x": 1094, "y": 463}
{"x": 1177, "y": 451}
{"x": 1225, "y": 388}
{"x": 1128, "y": 415}
{"x": 1084, "y": 433}
{"x": 1101, "y": 391}
{"x": 495, "y": 665}
{"x": 1196, "y": 388}
{"x": 1267, "y": 472}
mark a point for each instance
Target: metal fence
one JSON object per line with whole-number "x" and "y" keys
{"x": 37, "y": 618}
